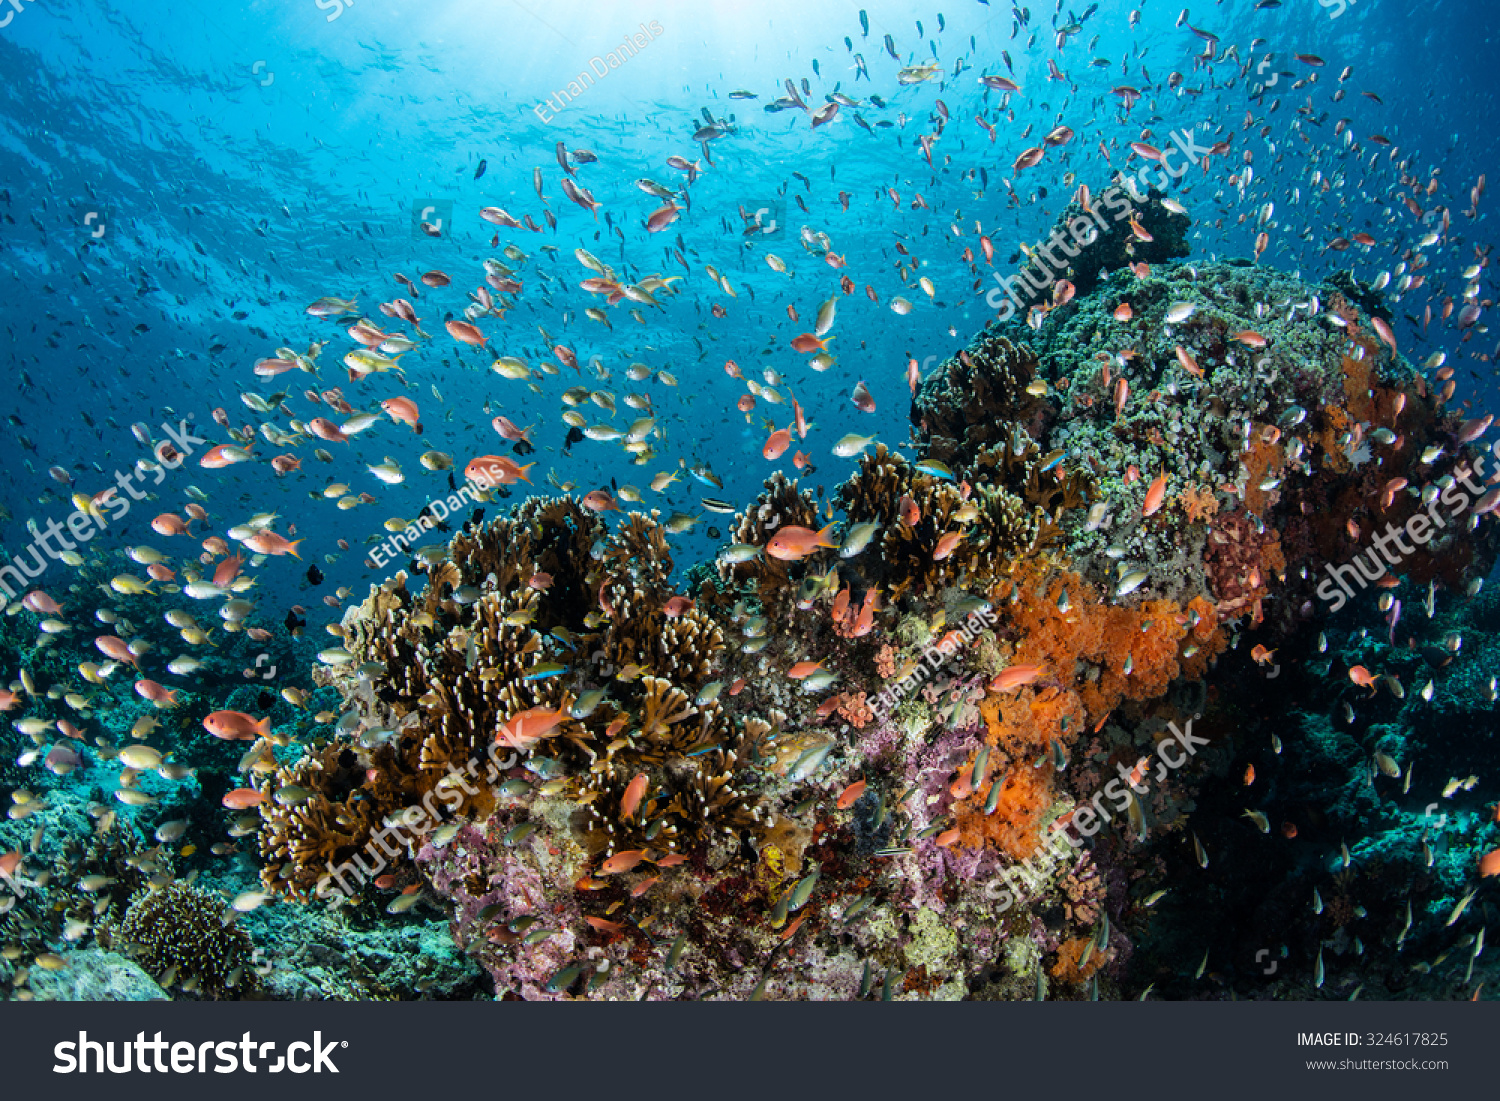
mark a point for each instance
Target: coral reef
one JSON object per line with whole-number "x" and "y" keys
{"x": 1100, "y": 508}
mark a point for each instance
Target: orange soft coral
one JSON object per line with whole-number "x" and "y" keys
{"x": 1155, "y": 641}
{"x": 1198, "y": 504}
{"x": 885, "y": 661}
{"x": 1263, "y": 461}
{"x": 1068, "y": 968}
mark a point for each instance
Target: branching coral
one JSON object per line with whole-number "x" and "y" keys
{"x": 971, "y": 401}
{"x": 771, "y": 580}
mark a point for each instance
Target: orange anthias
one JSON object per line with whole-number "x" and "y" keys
{"x": 809, "y": 343}
{"x": 1156, "y": 493}
{"x": 530, "y": 726}
{"x": 1363, "y": 677}
{"x": 1017, "y": 676}
{"x": 792, "y": 542}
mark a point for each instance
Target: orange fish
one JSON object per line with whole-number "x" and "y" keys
{"x": 865, "y": 622}
{"x": 493, "y": 470}
{"x": 804, "y": 669}
{"x": 169, "y": 524}
{"x": 599, "y": 500}
{"x": 1189, "y": 364}
{"x": 1489, "y": 863}
{"x": 645, "y": 885}
{"x": 1030, "y": 158}
{"x": 603, "y": 925}
{"x": 1288, "y": 830}
{"x": 671, "y": 860}
{"x": 465, "y": 333}
{"x": 158, "y": 694}
{"x": 622, "y": 861}
{"x": 1392, "y": 487}
{"x": 40, "y": 603}
{"x": 225, "y": 454}
{"x": 946, "y": 838}
{"x": 244, "y": 798}
{"x": 862, "y": 398}
{"x": 266, "y": 541}
{"x": 1383, "y": 331}
{"x": 1261, "y": 654}
{"x": 945, "y": 545}
{"x": 325, "y": 429}
{"x": 114, "y": 647}
{"x": 227, "y": 569}
{"x": 530, "y": 726}
{"x": 800, "y": 460}
{"x": 1123, "y": 312}
{"x": 237, "y": 726}
{"x": 792, "y": 543}
{"x": 1249, "y": 775}
{"x": 809, "y": 343}
{"x": 1017, "y": 676}
{"x": 404, "y": 411}
{"x": 1251, "y": 338}
{"x": 911, "y": 513}
{"x": 635, "y": 791}
{"x": 1363, "y": 677}
{"x": 1156, "y": 493}
{"x": 746, "y": 403}
{"x": 850, "y": 795}
{"x": 676, "y": 606}
{"x": 777, "y": 443}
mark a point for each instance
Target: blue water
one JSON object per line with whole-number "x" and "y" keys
{"x": 241, "y": 161}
